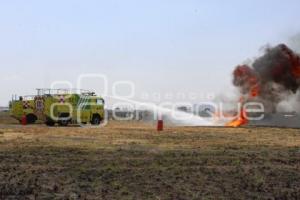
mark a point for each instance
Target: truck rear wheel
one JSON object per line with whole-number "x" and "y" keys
{"x": 96, "y": 120}
{"x": 50, "y": 123}
{"x": 64, "y": 121}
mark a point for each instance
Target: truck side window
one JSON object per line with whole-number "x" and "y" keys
{"x": 100, "y": 102}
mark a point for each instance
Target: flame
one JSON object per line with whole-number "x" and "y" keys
{"x": 296, "y": 71}
{"x": 254, "y": 91}
{"x": 244, "y": 75}
{"x": 241, "y": 120}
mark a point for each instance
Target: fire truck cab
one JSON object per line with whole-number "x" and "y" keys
{"x": 24, "y": 106}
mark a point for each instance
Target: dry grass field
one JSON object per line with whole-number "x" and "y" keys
{"x": 130, "y": 160}
{"x": 5, "y": 119}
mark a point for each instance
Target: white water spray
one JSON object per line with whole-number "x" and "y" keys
{"x": 176, "y": 117}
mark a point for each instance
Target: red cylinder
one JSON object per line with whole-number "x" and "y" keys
{"x": 24, "y": 120}
{"x": 160, "y": 125}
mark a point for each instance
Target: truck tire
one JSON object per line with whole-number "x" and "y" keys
{"x": 31, "y": 118}
{"x": 64, "y": 121}
{"x": 50, "y": 123}
{"x": 96, "y": 120}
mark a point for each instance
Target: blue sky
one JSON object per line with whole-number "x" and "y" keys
{"x": 162, "y": 46}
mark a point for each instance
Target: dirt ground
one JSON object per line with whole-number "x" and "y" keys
{"x": 130, "y": 160}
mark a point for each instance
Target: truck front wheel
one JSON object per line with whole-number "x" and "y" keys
{"x": 31, "y": 118}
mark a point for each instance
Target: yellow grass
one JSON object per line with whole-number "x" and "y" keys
{"x": 131, "y": 160}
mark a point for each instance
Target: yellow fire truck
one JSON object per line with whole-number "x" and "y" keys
{"x": 61, "y": 106}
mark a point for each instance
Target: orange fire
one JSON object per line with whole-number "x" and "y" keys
{"x": 241, "y": 120}
{"x": 245, "y": 75}
{"x": 254, "y": 91}
{"x": 252, "y": 81}
{"x": 296, "y": 71}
